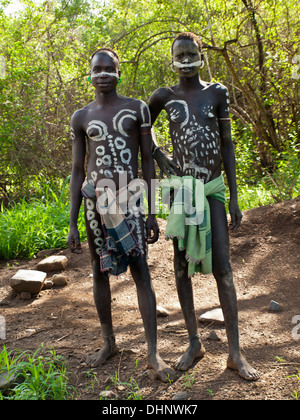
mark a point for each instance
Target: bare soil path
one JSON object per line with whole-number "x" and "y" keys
{"x": 265, "y": 259}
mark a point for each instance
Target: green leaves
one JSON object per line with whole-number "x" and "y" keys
{"x": 41, "y": 375}
{"x": 47, "y": 48}
{"x": 40, "y": 223}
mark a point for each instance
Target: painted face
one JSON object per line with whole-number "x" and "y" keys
{"x": 104, "y": 71}
{"x": 186, "y": 58}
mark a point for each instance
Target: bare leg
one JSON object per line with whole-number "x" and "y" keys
{"x": 102, "y": 297}
{"x": 147, "y": 304}
{"x": 227, "y": 294}
{"x": 185, "y": 294}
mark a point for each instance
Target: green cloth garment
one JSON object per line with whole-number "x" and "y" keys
{"x": 189, "y": 218}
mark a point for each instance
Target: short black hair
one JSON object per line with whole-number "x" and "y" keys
{"x": 191, "y": 37}
{"x": 105, "y": 49}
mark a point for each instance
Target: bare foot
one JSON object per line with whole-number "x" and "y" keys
{"x": 108, "y": 350}
{"x": 162, "y": 370}
{"x": 195, "y": 350}
{"x": 243, "y": 368}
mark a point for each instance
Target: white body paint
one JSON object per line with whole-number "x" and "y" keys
{"x": 119, "y": 118}
{"x": 174, "y": 113}
{"x": 188, "y": 65}
{"x": 104, "y": 74}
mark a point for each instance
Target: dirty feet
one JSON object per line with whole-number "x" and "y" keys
{"x": 108, "y": 350}
{"x": 243, "y": 368}
{"x": 195, "y": 350}
{"x": 162, "y": 370}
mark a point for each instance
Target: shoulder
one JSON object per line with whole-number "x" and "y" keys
{"x": 137, "y": 108}
{"x": 131, "y": 104}
{"x": 216, "y": 87}
{"x": 160, "y": 96}
{"x": 78, "y": 117}
{"x": 219, "y": 93}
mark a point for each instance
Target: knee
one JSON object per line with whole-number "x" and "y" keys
{"x": 223, "y": 274}
{"x": 140, "y": 272}
{"x": 180, "y": 265}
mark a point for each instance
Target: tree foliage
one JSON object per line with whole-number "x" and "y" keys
{"x": 252, "y": 46}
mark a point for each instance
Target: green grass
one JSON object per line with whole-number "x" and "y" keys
{"x": 42, "y": 222}
{"x": 39, "y": 376}
{"x": 296, "y": 394}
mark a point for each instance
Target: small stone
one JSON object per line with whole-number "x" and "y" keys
{"x": 53, "y": 263}
{"x": 6, "y": 379}
{"x": 161, "y": 312}
{"x": 107, "y": 394}
{"x": 30, "y": 281}
{"x": 151, "y": 375}
{"x": 181, "y": 396}
{"x": 274, "y": 306}
{"x": 48, "y": 284}
{"x": 214, "y": 336}
{"x": 59, "y": 280}
{"x": 215, "y": 315}
{"x": 25, "y": 295}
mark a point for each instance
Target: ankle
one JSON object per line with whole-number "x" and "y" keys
{"x": 110, "y": 340}
{"x": 196, "y": 337}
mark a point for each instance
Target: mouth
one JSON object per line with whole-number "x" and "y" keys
{"x": 187, "y": 70}
{"x": 103, "y": 84}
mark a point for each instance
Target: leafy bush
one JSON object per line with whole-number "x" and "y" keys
{"x": 42, "y": 222}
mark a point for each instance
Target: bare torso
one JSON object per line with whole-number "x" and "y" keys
{"x": 113, "y": 139}
{"x": 194, "y": 128}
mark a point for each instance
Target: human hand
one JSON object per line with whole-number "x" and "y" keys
{"x": 235, "y": 214}
{"x": 152, "y": 226}
{"x": 73, "y": 241}
{"x": 166, "y": 165}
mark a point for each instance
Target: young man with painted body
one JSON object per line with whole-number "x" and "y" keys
{"x": 109, "y": 132}
{"x": 200, "y": 130}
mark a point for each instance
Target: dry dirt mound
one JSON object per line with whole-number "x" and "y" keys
{"x": 266, "y": 264}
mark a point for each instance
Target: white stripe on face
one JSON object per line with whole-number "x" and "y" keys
{"x": 184, "y": 66}
{"x": 104, "y": 73}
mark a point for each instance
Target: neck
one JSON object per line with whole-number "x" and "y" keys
{"x": 106, "y": 97}
{"x": 190, "y": 83}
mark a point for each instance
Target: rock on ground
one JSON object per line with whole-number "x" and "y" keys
{"x": 53, "y": 263}
{"x": 30, "y": 281}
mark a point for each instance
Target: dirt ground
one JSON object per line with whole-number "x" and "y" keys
{"x": 266, "y": 264}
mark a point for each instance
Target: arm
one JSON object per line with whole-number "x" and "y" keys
{"x": 228, "y": 157}
{"x": 77, "y": 178}
{"x": 156, "y": 105}
{"x": 148, "y": 171}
